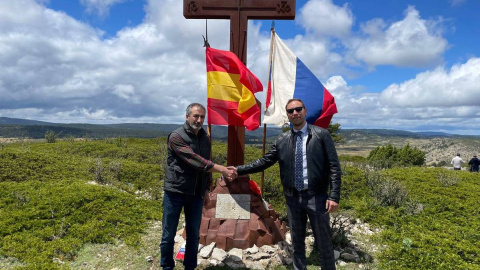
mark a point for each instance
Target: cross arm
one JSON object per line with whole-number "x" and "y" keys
{"x": 252, "y": 9}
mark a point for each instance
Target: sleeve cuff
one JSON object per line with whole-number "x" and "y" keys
{"x": 209, "y": 165}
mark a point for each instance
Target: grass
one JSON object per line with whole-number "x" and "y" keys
{"x": 54, "y": 218}
{"x": 120, "y": 255}
{"x": 50, "y": 211}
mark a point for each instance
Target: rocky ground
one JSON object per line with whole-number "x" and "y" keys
{"x": 359, "y": 253}
{"x": 437, "y": 150}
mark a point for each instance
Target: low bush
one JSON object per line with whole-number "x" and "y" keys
{"x": 340, "y": 230}
{"x": 434, "y": 229}
{"x": 387, "y": 192}
{"x": 46, "y": 220}
{"x": 389, "y": 156}
{"x": 447, "y": 178}
{"x": 50, "y": 208}
{"x": 51, "y": 136}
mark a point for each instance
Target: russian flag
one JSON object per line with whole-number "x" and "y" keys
{"x": 290, "y": 78}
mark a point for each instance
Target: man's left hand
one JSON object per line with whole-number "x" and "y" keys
{"x": 331, "y": 206}
{"x": 229, "y": 173}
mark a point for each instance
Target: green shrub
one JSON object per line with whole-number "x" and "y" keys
{"x": 339, "y": 228}
{"x": 334, "y": 129}
{"x": 42, "y": 221}
{"x": 448, "y": 178}
{"x": 389, "y": 156}
{"x": 436, "y": 218}
{"x": 51, "y": 136}
{"x": 48, "y": 211}
{"x": 388, "y": 192}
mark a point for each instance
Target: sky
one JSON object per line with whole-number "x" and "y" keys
{"x": 399, "y": 64}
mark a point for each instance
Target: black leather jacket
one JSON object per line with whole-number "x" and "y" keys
{"x": 323, "y": 166}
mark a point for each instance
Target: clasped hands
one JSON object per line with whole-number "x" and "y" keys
{"x": 230, "y": 173}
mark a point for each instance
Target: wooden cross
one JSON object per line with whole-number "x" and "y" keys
{"x": 239, "y": 12}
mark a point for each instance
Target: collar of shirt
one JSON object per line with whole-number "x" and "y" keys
{"x": 304, "y": 130}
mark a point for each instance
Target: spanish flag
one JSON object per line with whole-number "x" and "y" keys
{"x": 230, "y": 90}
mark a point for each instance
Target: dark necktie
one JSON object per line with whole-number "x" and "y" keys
{"x": 299, "y": 162}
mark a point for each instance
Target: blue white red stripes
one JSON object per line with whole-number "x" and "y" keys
{"x": 290, "y": 78}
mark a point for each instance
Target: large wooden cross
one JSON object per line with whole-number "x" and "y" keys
{"x": 239, "y": 12}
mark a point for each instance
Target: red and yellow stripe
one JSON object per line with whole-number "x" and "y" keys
{"x": 230, "y": 90}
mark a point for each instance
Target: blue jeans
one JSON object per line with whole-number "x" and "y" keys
{"x": 172, "y": 207}
{"x": 300, "y": 207}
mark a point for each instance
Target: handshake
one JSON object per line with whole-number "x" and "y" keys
{"x": 229, "y": 173}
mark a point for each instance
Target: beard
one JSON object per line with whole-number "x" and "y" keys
{"x": 195, "y": 127}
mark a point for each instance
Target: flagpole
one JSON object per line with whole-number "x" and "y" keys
{"x": 272, "y": 29}
{"x": 263, "y": 153}
{"x": 209, "y": 133}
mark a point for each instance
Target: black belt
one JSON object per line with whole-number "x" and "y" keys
{"x": 294, "y": 192}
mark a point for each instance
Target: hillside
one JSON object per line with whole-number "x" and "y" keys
{"x": 22, "y": 128}
{"x": 439, "y": 147}
{"x": 96, "y": 204}
{"x": 15, "y": 127}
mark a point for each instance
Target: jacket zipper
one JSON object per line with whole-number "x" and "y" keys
{"x": 196, "y": 172}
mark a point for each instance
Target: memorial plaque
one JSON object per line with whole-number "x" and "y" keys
{"x": 234, "y": 216}
{"x": 233, "y": 206}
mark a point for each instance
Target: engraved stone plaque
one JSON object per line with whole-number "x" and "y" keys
{"x": 233, "y": 206}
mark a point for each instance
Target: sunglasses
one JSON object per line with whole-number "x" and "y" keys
{"x": 297, "y": 109}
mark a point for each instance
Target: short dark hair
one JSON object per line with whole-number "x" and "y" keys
{"x": 189, "y": 108}
{"x": 295, "y": 99}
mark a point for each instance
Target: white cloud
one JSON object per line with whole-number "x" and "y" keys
{"x": 325, "y": 18}
{"x": 317, "y": 55}
{"x": 126, "y": 92}
{"x": 353, "y": 105}
{"x": 338, "y": 87}
{"x": 55, "y": 68}
{"x": 434, "y": 100}
{"x": 457, "y": 2}
{"x": 438, "y": 88}
{"x": 412, "y": 42}
{"x": 100, "y": 7}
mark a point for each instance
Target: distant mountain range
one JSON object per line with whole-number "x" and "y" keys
{"x": 396, "y": 133}
{"x": 24, "y": 128}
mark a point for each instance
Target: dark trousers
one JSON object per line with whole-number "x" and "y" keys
{"x": 301, "y": 206}
{"x": 172, "y": 207}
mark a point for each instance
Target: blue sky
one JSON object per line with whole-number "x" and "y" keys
{"x": 397, "y": 64}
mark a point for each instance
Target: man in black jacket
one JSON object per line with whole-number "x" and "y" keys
{"x": 187, "y": 180}
{"x": 311, "y": 177}
{"x": 474, "y": 164}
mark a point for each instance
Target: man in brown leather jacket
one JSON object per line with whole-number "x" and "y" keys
{"x": 311, "y": 178}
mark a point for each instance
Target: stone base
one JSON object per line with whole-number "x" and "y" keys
{"x": 263, "y": 228}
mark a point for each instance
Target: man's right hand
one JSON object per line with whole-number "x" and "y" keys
{"x": 230, "y": 173}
